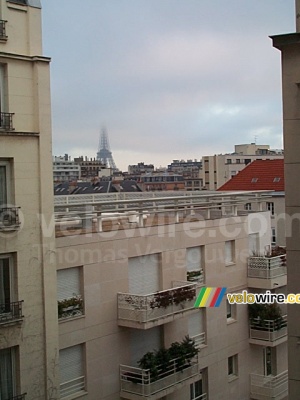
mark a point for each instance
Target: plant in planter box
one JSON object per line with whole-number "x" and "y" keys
{"x": 162, "y": 299}
{"x": 149, "y": 362}
{"x": 194, "y": 276}
{"x": 70, "y": 307}
{"x": 259, "y": 314}
{"x": 183, "y": 294}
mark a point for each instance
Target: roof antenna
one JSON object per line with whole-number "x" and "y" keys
{"x": 255, "y": 136}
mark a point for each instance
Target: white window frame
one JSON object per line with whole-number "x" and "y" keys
{"x": 7, "y": 173}
{"x": 194, "y": 390}
{"x": 70, "y": 288}
{"x": 233, "y": 367}
{"x": 230, "y": 312}
{"x": 270, "y": 207}
{"x": 72, "y": 371}
{"x": 195, "y": 264}
{"x": 11, "y": 277}
{"x": 229, "y": 254}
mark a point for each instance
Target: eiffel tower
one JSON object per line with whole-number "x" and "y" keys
{"x": 104, "y": 153}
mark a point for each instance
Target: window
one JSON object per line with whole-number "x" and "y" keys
{"x": 232, "y": 366}
{"x": 10, "y": 309}
{"x": 254, "y": 180}
{"x": 72, "y": 376}
{"x": 230, "y": 312}
{"x": 228, "y": 161}
{"x": 194, "y": 264}
{"x": 233, "y": 173}
{"x": 196, "y": 330}
{"x": 143, "y": 274}
{"x": 268, "y": 356}
{"x": 7, "y": 373}
{"x": 69, "y": 293}
{"x": 229, "y": 252}
{"x": 273, "y": 239}
{"x": 270, "y": 207}
{"x": 276, "y": 179}
{"x": 4, "y": 183}
{"x": 196, "y": 390}
{"x": 248, "y": 206}
{"x": 238, "y": 161}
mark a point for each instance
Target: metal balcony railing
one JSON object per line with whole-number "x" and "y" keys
{"x": 9, "y": 218}
{"x": 72, "y": 387}
{"x": 11, "y": 312}
{"x": 201, "y": 397}
{"x": 268, "y": 330}
{"x": 143, "y": 308}
{"x": 3, "y": 29}
{"x": 18, "y": 397}
{"x": 168, "y": 378}
{"x": 6, "y": 122}
{"x": 269, "y": 387}
{"x": 266, "y": 267}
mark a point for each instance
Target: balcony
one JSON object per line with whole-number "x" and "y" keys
{"x": 268, "y": 332}
{"x": 267, "y": 272}
{"x": 145, "y": 311}
{"x": 269, "y": 387}
{"x": 137, "y": 383}
{"x": 73, "y": 387}
{"x": 9, "y": 218}
{"x": 11, "y": 313}
{"x": 6, "y": 122}
{"x": 3, "y": 36}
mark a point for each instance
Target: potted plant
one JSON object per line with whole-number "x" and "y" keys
{"x": 70, "y": 307}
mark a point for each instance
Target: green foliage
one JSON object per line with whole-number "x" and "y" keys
{"x": 164, "y": 362}
{"x": 260, "y": 314}
{"x": 70, "y": 307}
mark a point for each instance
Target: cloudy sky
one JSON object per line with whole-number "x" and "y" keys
{"x": 169, "y": 79}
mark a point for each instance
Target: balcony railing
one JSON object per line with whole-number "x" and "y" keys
{"x": 11, "y": 312}
{"x": 18, "y": 397}
{"x": 3, "y": 30}
{"x": 140, "y": 311}
{"x": 268, "y": 330}
{"x": 269, "y": 387}
{"x": 6, "y": 121}
{"x": 267, "y": 267}
{"x": 137, "y": 382}
{"x": 72, "y": 387}
{"x": 9, "y": 218}
{"x": 200, "y": 340}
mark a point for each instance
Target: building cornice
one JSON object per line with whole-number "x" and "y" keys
{"x": 13, "y": 56}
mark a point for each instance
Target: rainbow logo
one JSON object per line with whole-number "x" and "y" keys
{"x": 210, "y": 297}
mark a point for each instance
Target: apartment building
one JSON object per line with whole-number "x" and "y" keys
{"x": 65, "y": 169}
{"x": 218, "y": 169}
{"x": 28, "y": 312}
{"x": 264, "y": 175}
{"x": 128, "y": 274}
{"x": 191, "y": 172}
{"x": 289, "y": 45}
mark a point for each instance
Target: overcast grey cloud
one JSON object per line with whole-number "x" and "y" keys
{"x": 168, "y": 78}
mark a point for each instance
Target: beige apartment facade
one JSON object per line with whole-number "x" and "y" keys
{"x": 220, "y": 168}
{"x": 289, "y": 46}
{"x": 121, "y": 283}
{"x": 28, "y": 316}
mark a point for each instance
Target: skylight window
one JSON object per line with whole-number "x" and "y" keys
{"x": 254, "y": 180}
{"x": 276, "y": 179}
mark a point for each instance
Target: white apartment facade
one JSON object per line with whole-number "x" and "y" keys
{"x": 28, "y": 315}
{"x": 65, "y": 170}
{"x": 219, "y": 168}
{"x": 127, "y": 283}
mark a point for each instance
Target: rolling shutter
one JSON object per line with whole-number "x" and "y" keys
{"x": 142, "y": 341}
{"x": 193, "y": 259}
{"x": 70, "y": 363}
{"x": 195, "y": 323}
{"x": 144, "y": 274}
{"x": 68, "y": 283}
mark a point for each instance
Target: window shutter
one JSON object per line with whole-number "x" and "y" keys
{"x": 144, "y": 274}
{"x": 193, "y": 259}
{"x": 68, "y": 283}
{"x": 228, "y": 252}
{"x": 70, "y": 363}
{"x": 195, "y": 324}
{"x": 143, "y": 341}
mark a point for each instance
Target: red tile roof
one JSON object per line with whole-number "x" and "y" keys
{"x": 258, "y": 175}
